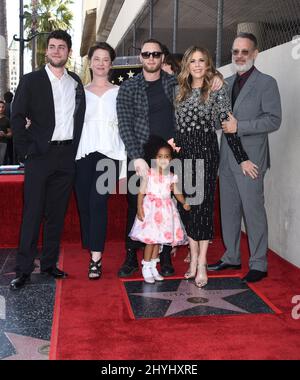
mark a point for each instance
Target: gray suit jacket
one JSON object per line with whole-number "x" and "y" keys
{"x": 258, "y": 111}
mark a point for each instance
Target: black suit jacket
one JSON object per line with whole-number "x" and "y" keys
{"x": 34, "y": 99}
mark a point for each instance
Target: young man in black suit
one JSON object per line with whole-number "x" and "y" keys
{"x": 53, "y": 100}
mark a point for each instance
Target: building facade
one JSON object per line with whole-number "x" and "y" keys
{"x": 182, "y": 23}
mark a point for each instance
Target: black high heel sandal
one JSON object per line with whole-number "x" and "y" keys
{"x": 95, "y": 269}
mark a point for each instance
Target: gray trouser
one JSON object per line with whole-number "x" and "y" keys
{"x": 2, "y": 152}
{"x": 241, "y": 196}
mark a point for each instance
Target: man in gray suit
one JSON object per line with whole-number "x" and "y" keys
{"x": 256, "y": 113}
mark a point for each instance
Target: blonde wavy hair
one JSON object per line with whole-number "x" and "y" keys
{"x": 185, "y": 79}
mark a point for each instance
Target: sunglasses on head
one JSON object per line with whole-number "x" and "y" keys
{"x": 155, "y": 54}
{"x": 244, "y": 52}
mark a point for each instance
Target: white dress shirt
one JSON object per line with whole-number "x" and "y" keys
{"x": 64, "y": 91}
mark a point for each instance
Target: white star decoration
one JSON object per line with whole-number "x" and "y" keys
{"x": 121, "y": 78}
{"x": 130, "y": 74}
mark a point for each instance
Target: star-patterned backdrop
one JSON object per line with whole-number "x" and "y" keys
{"x": 121, "y": 73}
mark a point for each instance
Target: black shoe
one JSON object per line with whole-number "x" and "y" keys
{"x": 95, "y": 269}
{"x": 220, "y": 266}
{"x": 130, "y": 264}
{"x": 19, "y": 282}
{"x": 55, "y": 272}
{"x": 166, "y": 267}
{"x": 254, "y": 276}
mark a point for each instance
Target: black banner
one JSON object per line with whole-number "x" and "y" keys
{"x": 121, "y": 73}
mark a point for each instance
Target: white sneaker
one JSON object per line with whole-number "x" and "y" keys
{"x": 155, "y": 274}
{"x": 147, "y": 272}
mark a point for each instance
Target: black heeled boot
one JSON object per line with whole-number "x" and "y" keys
{"x": 166, "y": 267}
{"x": 130, "y": 264}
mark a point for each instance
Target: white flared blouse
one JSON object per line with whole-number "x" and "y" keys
{"x": 100, "y": 132}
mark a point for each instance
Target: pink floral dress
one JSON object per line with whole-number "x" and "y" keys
{"x": 162, "y": 223}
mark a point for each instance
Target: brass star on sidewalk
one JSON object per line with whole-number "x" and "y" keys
{"x": 188, "y": 296}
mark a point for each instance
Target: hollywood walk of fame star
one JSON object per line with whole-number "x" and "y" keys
{"x": 121, "y": 79}
{"x": 130, "y": 74}
{"x": 20, "y": 311}
{"x": 28, "y": 348}
{"x": 188, "y": 296}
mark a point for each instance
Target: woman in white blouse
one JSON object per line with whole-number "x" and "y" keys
{"x": 99, "y": 155}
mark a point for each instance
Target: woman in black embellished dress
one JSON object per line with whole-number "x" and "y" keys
{"x": 198, "y": 111}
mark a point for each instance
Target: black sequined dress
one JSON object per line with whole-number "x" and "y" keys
{"x": 196, "y": 122}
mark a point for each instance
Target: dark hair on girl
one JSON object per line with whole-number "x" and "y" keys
{"x": 152, "y": 147}
{"x": 103, "y": 46}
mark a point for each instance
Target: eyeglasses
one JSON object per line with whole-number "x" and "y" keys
{"x": 147, "y": 54}
{"x": 244, "y": 52}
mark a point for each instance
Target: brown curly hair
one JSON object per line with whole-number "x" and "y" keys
{"x": 185, "y": 79}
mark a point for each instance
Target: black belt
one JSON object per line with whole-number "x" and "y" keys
{"x": 61, "y": 142}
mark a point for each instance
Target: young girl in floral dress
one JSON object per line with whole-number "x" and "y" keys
{"x": 158, "y": 221}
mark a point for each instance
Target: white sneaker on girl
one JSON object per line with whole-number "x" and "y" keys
{"x": 147, "y": 272}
